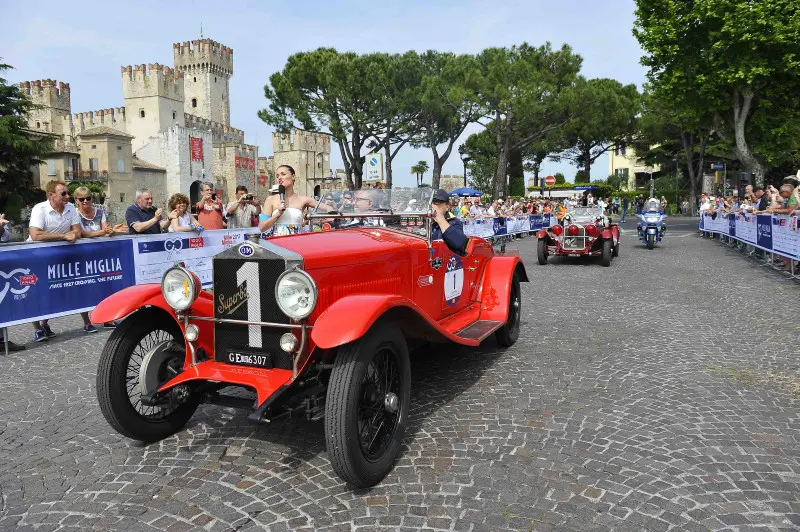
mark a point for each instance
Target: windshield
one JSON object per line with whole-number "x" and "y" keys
{"x": 401, "y": 209}
{"x": 653, "y": 207}
{"x": 364, "y": 201}
{"x": 586, "y": 213}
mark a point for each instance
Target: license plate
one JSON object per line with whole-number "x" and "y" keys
{"x": 574, "y": 254}
{"x": 251, "y": 359}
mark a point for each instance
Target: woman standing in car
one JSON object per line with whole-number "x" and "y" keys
{"x": 284, "y": 215}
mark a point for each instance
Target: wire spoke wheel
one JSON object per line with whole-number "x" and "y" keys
{"x": 377, "y": 420}
{"x": 154, "y": 340}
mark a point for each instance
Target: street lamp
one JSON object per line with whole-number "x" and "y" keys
{"x": 465, "y": 158}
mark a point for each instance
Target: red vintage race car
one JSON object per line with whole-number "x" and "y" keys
{"x": 585, "y": 231}
{"x": 317, "y": 324}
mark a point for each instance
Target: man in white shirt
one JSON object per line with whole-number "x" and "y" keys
{"x": 53, "y": 220}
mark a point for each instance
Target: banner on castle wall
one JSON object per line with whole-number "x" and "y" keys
{"x": 252, "y": 163}
{"x": 238, "y": 162}
{"x": 196, "y": 144}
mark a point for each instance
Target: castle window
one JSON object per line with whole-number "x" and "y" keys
{"x": 94, "y": 146}
{"x": 141, "y": 113}
{"x": 122, "y": 197}
{"x": 194, "y": 102}
{"x": 215, "y": 79}
{"x": 173, "y": 115}
{"x": 51, "y": 167}
{"x": 120, "y": 165}
{"x": 119, "y": 148}
{"x": 38, "y": 125}
{"x": 195, "y": 79}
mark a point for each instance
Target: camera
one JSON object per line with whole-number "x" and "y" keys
{"x": 249, "y": 197}
{"x": 213, "y": 195}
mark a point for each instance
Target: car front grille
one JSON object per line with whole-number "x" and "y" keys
{"x": 235, "y": 279}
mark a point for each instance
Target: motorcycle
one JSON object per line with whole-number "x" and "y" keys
{"x": 651, "y": 227}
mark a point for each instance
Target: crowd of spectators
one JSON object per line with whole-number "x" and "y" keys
{"x": 57, "y": 219}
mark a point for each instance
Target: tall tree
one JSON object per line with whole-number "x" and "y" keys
{"x": 328, "y": 89}
{"x": 738, "y": 55}
{"x": 447, "y": 103}
{"x": 520, "y": 89}
{"x": 606, "y": 114}
{"x": 419, "y": 170}
{"x": 20, "y": 148}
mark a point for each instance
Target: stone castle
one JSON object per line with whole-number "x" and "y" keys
{"x": 172, "y": 132}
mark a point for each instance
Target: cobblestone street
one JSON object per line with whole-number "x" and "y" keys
{"x": 660, "y": 393}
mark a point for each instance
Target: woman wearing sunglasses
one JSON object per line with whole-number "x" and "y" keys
{"x": 93, "y": 224}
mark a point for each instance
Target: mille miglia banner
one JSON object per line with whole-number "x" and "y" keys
{"x": 196, "y": 146}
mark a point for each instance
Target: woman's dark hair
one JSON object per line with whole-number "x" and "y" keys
{"x": 291, "y": 170}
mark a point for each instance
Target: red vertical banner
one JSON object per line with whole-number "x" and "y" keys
{"x": 196, "y": 144}
{"x": 238, "y": 162}
{"x": 252, "y": 164}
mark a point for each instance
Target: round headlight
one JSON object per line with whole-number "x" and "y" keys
{"x": 179, "y": 287}
{"x": 296, "y": 294}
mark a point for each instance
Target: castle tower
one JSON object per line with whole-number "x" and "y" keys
{"x": 53, "y": 97}
{"x": 153, "y": 100}
{"x": 309, "y": 153}
{"x": 206, "y": 66}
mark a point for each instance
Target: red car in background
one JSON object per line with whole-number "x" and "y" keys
{"x": 584, "y": 231}
{"x": 316, "y": 324}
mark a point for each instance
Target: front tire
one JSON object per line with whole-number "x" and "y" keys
{"x": 118, "y": 377}
{"x": 615, "y": 252}
{"x": 366, "y": 407}
{"x": 541, "y": 251}
{"x": 651, "y": 241}
{"x": 606, "y": 257}
{"x": 508, "y": 334}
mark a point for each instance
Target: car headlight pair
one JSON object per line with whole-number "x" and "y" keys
{"x": 295, "y": 291}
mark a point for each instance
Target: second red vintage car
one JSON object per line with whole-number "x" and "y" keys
{"x": 585, "y": 231}
{"x": 316, "y": 324}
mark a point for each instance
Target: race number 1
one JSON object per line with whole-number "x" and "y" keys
{"x": 249, "y": 272}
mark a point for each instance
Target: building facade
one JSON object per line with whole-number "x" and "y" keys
{"x": 623, "y": 161}
{"x": 171, "y": 133}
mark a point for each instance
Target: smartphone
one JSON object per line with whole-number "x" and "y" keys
{"x": 213, "y": 195}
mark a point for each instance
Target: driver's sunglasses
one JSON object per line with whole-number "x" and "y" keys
{"x": 348, "y": 197}
{"x": 83, "y": 199}
{"x": 64, "y": 194}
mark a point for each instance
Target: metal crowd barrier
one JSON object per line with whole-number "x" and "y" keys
{"x": 760, "y": 236}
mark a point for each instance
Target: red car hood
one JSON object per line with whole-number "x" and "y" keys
{"x": 349, "y": 246}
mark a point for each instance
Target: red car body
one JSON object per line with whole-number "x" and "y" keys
{"x": 365, "y": 278}
{"x": 587, "y": 234}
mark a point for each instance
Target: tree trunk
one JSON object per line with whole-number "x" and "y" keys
{"x": 742, "y": 100}
{"x": 437, "y": 170}
{"x": 503, "y": 143}
{"x": 347, "y": 168}
{"x": 387, "y": 154}
{"x": 516, "y": 175}
{"x": 587, "y": 165}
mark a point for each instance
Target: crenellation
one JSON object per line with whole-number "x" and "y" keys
{"x": 203, "y": 54}
{"x": 152, "y": 79}
{"x": 47, "y": 93}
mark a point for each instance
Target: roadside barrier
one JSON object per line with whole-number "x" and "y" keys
{"x": 41, "y": 280}
{"x": 759, "y": 235}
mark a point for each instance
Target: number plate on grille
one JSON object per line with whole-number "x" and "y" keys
{"x": 251, "y": 359}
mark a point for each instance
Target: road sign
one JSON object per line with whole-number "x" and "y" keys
{"x": 717, "y": 166}
{"x": 550, "y": 181}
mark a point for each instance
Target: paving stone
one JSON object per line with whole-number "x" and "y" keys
{"x": 644, "y": 396}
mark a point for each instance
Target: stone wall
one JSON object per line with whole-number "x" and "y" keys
{"x": 153, "y": 100}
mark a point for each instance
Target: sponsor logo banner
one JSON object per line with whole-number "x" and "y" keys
{"x": 38, "y": 282}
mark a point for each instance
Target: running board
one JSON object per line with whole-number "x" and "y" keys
{"x": 479, "y": 330}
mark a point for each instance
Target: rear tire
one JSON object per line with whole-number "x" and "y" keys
{"x": 358, "y": 392}
{"x": 615, "y": 252}
{"x": 541, "y": 251}
{"x": 606, "y": 257}
{"x": 116, "y": 378}
{"x": 508, "y": 334}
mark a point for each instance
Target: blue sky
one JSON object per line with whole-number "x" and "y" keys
{"x": 85, "y": 43}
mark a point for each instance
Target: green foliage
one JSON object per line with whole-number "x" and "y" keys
{"x": 727, "y": 65}
{"x": 560, "y": 179}
{"x": 94, "y": 188}
{"x": 606, "y": 114}
{"x": 581, "y": 177}
{"x": 419, "y": 170}
{"x": 520, "y": 90}
{"x": 20, "y": 149}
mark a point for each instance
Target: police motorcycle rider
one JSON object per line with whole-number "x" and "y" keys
{"x": 652, "y": 206}
{"x": 445, "y": 226}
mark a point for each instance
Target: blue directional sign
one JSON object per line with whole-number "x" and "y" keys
{"x": 717, "y": 166}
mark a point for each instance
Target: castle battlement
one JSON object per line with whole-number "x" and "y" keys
{"x": 113, "y": 118}
{"x": 48, "y": 93}
{"x": 220, "y": 132}
{"x": 205, "y": 55}
{"x": 153, "y": 79}
{"x": 301, "y": 140}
